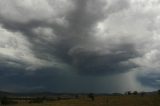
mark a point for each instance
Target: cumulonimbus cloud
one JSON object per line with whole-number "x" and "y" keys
{"x": 89, "y": 37}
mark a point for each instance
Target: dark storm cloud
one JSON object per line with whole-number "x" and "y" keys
{"x": 78, "y": 45}
{"x": 118, "y": 6}
{"x": 49, "y": 80}
{"x": 94, "y": 63}
{"x": 81, "y": 21}
{"x": 150, "y": 79}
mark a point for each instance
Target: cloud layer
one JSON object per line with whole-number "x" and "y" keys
{"x": 84, "y": 38}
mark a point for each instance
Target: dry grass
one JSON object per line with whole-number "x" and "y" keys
{"x": 102, "y": 101}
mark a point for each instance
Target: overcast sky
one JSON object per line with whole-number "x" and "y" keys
{"x": 79, "y": 45}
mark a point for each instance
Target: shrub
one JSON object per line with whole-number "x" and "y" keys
{"x": 37, "y": 100}
{"x": 91, "y": 96}
{"x": 135, "y": 92}
{"x": 142, "y": 93}
{"x": 159, "y": 92}
{"x": 77, "y": 96}
{"x": 129, "y": 93}
{"x": 5, "y": 101}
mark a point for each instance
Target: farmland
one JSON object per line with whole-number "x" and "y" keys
{"x": 121, "y": 100}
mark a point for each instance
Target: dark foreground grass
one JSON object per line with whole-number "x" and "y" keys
{"x": 133, "y": 100}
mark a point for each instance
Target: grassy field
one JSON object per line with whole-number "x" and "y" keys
{"x": 132, "y": 100}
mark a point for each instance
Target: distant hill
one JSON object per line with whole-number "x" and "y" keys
{"x": 36, "y": 94}
{"x": 49, "y": 94}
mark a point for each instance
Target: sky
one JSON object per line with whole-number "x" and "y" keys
{"x": 79, "y": 46}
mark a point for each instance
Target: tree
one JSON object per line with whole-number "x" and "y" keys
{"x": 129, "y": 93}
{"x": 5, "y": 101}
{"x": 77, "y": 96}
{"x": 135, "y": 92}
{"x": 142, "y": 93}
{"x": 91, "y": 96}
{"x": 159, "y": 92}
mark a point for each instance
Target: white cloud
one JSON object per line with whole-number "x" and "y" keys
{"x": 137, "y": 25}
{"x": 44, "y": 33}
{"x": 23, "y": 11}
{"x": 15, "y": 50}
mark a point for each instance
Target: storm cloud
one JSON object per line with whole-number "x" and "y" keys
{"x": 83, "y": 38}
